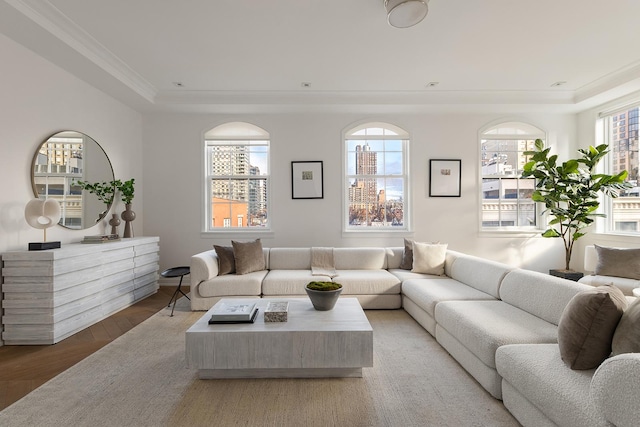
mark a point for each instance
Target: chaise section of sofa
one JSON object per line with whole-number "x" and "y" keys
{"x": 528, "y": 311}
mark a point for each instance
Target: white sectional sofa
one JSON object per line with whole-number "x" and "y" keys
{"x": 500, "y": 323}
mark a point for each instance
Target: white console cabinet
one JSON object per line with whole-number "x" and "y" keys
{"x": 52, "y": 294}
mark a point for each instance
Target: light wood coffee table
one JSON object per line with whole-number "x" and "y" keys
{"x": 335, "y": 343}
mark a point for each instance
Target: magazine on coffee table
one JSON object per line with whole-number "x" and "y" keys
{"x": 224, "y": 312}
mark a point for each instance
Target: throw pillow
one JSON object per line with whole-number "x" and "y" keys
{"x": 618, "y": 262}
{"x": 226, "y": 260}
{"x": 407, "y": 255}
{"x": 428, "y": 258}
{"x": 626, "y": 339}
{"x": 248, "y": 256}
{"x": 587, "y": 325}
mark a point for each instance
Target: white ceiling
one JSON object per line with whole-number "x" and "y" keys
{"x": 259, "y": 52}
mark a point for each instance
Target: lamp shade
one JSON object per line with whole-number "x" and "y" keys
{"x": 405, "y": 13}
{"x": 42, "y": 214}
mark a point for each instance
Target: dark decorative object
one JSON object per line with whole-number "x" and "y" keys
{"x": 114, "y": 222}
{"x": 323, "y": 295}
{"x": 128, "y": 216}
{"x": 567, "y": 274}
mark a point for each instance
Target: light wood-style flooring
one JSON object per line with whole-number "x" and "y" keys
{"x": 25, "y": 368}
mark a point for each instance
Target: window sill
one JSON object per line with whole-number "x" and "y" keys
{"x": 377, "y": 233}
{"x": 510, "y": 233}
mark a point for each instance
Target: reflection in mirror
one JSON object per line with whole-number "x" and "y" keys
{"x": 60, "y": 162}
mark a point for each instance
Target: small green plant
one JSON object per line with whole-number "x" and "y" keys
{"x": 103, "y": 190}
{"x": 570, "y": 190}
{"x": 126, "y": 189}
{"x": 324, "y": 286}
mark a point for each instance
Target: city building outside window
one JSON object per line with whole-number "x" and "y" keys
{"x": 506, "y": 203}
{"x": 619, "y": 129}
{"x": 376, "y": 178}
{"x": 237, "y": 177}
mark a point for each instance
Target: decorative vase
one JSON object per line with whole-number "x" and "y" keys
{"x": 114, "y": 222}
{"x": 323, "y": 300}
{"x": 128, "y": 215}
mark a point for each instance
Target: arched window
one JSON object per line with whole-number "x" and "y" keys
{"x": 506, "y": 198}
{"x": 237, "y": 177}
{"x": 376, "y": 178}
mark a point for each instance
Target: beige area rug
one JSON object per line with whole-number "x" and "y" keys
{"x": 141, "y": 379}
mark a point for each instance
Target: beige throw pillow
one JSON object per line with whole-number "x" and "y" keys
{"x": 626, "y": 339}
{"x": 226, "y": 260}
{"x": 618, "y": 262}
{"x": 428, "y": 258}
{"x": 587, "y": 325}
{"x": 407, "y": 255}
{"x": 248, "y": 256}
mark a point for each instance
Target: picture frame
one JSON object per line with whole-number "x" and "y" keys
{"x": 445, "y": 177}
{"x": 307, "y": 181}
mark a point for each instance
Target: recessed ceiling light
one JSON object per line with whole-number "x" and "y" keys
{"x": 432, "y": 84}
{"x": 305, "y": 84}
{"x": 178, "y": 84}
{"x": 560, "y": 83}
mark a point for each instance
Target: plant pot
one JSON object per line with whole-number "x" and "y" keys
{"x": 567, "y": 274}
{"x": 323, "y": 300}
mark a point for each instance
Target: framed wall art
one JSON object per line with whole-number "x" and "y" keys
{"x": 307, "y": 180}
{"x": 444, "y": 177}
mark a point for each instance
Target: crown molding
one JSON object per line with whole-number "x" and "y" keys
{"x": 47, "y": 16}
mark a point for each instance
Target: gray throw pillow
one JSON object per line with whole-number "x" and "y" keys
{"x": 248, "y": 256}
{"x": 618, "y": 262}
{"x": 407, "y": 255}
{"x": 626, "y": 339}
{"x": 587, "y": 325}
{"x": 226, "y": 259}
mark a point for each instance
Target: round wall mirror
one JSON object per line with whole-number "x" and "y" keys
{"x": 60, "y": 162}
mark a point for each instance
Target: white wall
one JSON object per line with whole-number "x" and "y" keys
{"x": 173, "y": 179}
{"x": 37, "y": 100}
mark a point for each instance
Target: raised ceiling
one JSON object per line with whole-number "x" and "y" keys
{"x": 199, "y": 54}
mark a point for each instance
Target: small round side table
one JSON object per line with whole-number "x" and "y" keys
{"x": 176, "y": 272}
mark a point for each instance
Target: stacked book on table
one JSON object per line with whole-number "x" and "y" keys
{"x": 101, "y": 238}
{"x": 236, "y": 312}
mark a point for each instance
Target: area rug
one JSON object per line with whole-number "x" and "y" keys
{"x": 141, "y": 379}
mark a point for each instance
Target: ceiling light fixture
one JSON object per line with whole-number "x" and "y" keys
{"x": 405, "y": 13}
{"x": 560, "y": 83}
{"x": 432, "y": 84}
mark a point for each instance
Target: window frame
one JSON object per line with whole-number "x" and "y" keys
{"x": 604, "y": 134}
{"x": 524, "y": 131}
{"x": 236, "y": 133}
{"x": 404, "y": 137}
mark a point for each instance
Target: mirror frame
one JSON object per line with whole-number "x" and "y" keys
{"x": 85, "y": 195}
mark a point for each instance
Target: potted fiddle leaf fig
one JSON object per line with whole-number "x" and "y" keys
{"x": 323, "y": 295}
{"x": 570, "y": 192}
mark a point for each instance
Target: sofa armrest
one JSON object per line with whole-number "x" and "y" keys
{"x": 204, "y": 266}
{"x": 615, "y": 388}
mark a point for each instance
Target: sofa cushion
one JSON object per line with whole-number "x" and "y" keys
{"x": 232, "y": 285}
{"x": 290, "y": 259}
{"x": 226, "y": 259}
{"x": 618, "y": 262}
{"x": 367, "y": 282}
{"x": 537, "y": 372}
{"x": 248, "y": 256}
{"x": 626, "y": 338}
{"x": 428, "y": 258}
{"x": 289, "y": 282}
{"x": 360, "y": 258}
{"x": 479, "y": 273}
{"x": 540, "y": 294}
{"x": 587, "y": 326}
{"x": 483, "y": 326}
{"x": 407, "y": 255}
{"x": 426, "y": 293}
{"x": 404, "y": 275}
{"x": 615, "y": 388}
